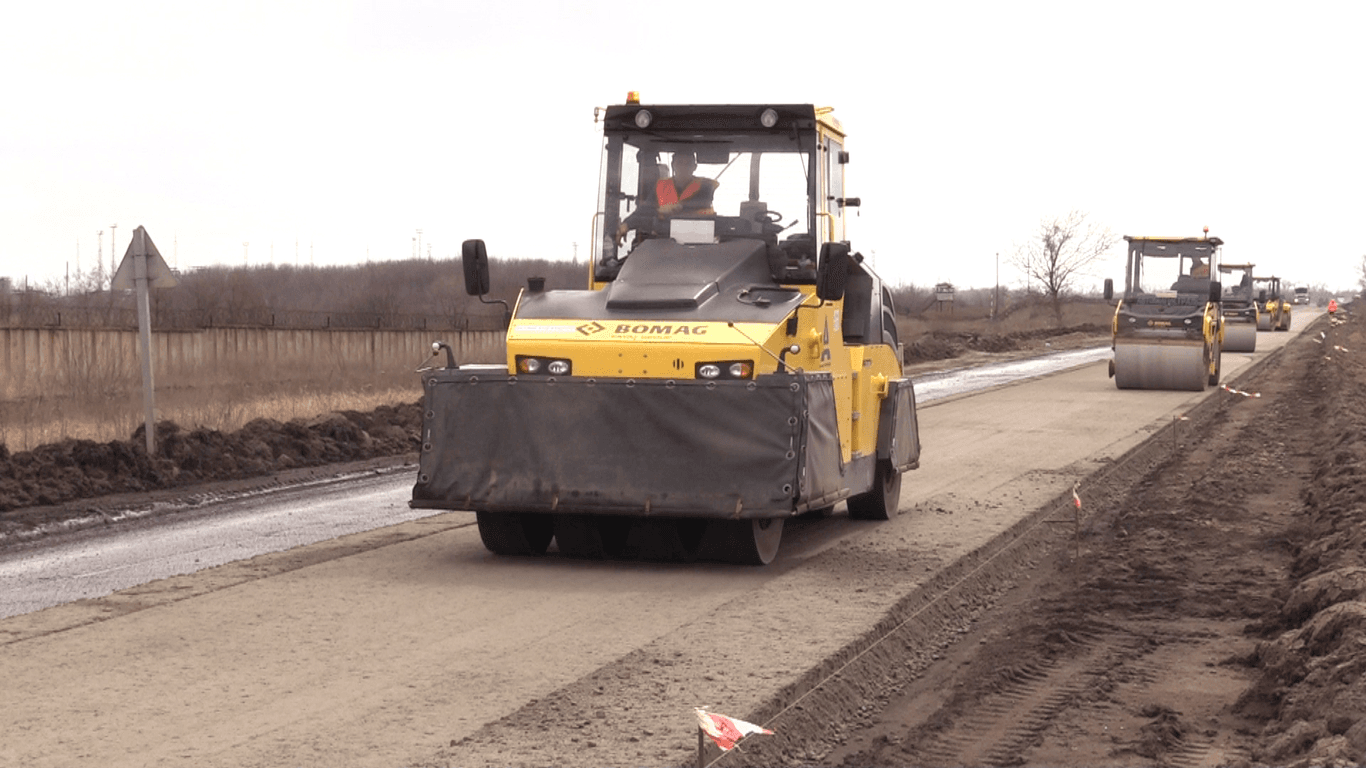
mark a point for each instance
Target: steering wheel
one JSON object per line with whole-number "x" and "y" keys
{"x": 771, "y": 217}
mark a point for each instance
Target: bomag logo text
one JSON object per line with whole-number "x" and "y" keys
{"x": 663, "y": 330}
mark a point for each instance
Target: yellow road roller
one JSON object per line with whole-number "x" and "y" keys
{"x": 1168, "y": 327}
{"x": 1273, "y": 309}
{"x": 1239, "y": 307}
{"x": 731, "y": 361}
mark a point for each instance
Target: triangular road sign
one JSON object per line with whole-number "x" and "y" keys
{"x": 158, "y": 274}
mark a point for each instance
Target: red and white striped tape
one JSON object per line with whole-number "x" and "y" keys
{"x": 1227, "y": 388}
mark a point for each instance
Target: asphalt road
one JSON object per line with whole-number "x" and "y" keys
{"x": 383, "y": 646}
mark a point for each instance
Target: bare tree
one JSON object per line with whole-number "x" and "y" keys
{"x": 1062, "y": 247}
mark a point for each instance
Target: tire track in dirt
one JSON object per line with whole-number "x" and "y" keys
{"x": 1135, "y": 651}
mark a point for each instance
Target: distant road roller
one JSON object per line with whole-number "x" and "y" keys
{"x": 731, "y": 362}
{"x": 1239, "y": 308}
{"x": 1168, "y": 328}
{"x": 1273, "y": 309}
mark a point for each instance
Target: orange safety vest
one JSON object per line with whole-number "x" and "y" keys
{"x": 1332, "y": 306}
{"x": 667, "y": 194}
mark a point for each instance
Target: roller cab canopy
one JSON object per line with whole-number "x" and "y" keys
{"x": 774, "y": 173}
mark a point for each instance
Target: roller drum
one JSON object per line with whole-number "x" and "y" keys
{"x": 1161, "y": 366}
{"x": 1240, "y": 337}
{"x": 1264, "y": 321}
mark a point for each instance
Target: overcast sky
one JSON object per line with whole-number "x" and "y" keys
{"x": 331, "y": 132}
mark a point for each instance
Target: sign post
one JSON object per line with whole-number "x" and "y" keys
{"x": 142, "y": 268}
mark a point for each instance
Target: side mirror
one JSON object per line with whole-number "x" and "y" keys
{"x": 833, "y": 271}
{"x": 1109, "y": 289}
{"x": 474, "y": 257}
{"x": 1216, "y": 291}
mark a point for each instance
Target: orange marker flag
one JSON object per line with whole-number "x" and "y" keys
{"x": 726, "y": 731}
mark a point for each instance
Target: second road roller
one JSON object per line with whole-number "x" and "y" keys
{"x": 1168, "y": 327}
{"x": 1239, "y": 308}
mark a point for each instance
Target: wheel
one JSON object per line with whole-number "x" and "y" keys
{"x": 879, "y": 503}
{"x": 745, "y": 542}
{"x": 660, "y": 539}
{"x": 590, "y": 536}
{"x": 515, "y": 533}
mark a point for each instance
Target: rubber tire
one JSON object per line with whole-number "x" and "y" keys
{"x": 515, "y": 533}
{"x": 746, "y": 542}
{"x": 591, "y": 537}
{"x": 881, "y": 502}
{"x": 664, "y": 539}
{"x": 1218, "y": 366}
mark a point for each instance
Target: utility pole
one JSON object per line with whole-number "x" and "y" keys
{"x": 245, "y": 261}
{"x": 419, "y": 245}
{"x": 113, "y": 253}
{"x": 996, "y": 302}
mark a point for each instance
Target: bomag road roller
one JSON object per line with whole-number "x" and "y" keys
{"x": 731, "y": 362}
{"x": 1273, "y": 309}
{"x": 1239, "y": 308}
{"x": 1168, "y": 327}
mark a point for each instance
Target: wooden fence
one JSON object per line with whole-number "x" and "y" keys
{"x": 71, "y": 361}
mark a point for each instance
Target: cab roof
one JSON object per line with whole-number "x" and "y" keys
{"x": 1211, "y": 240}
{"x": 721, "y": 118}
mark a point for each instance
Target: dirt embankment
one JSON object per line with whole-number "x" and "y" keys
{"x": 1212, "y": 612}
{"x": 50, "y": 483}
{"x": 947, "y": 345}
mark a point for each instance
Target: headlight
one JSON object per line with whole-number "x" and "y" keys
{"x": 643, "y": 118}
{"x": 769, "y": 118}
{"x": 726, "y": 369}
{"x": 533, "y": 366}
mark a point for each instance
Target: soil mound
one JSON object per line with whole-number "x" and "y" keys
{"x": 1312, "y": 681}
{"x": 942, "y": 345}
{"x": 63, "y": 472}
